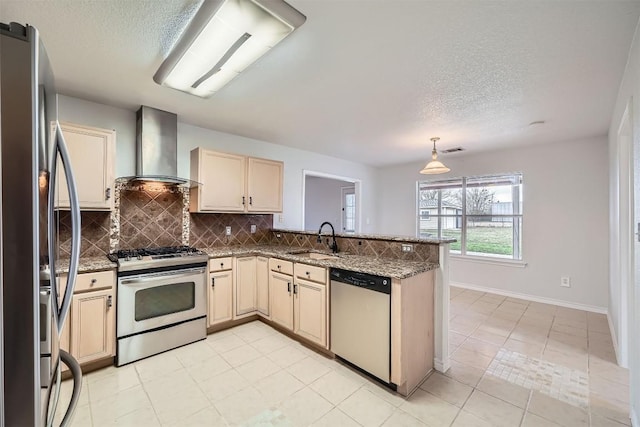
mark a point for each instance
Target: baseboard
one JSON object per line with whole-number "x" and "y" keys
{"x": 635, "y": 420}
{"x": 534, "y": 298}
{"x": 441, "y": 366}
{"x": 614, "y": 339}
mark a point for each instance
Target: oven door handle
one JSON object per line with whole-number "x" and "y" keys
{"x": 146, "y": 279}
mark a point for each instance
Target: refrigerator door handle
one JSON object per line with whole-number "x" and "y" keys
{"x": 74, "y": 207}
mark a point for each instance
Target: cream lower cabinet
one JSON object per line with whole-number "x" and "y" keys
{"x": 220, "y": 291}
{"x": 245, "y": 298}
{"x": 89, "y": 330}
{"x": 281, "y": 299}
{"x": 262, "y": 286}
{"x": 93, "y": 325}
{"x": 299, "y": 299}
{"x": 310, "y": 310}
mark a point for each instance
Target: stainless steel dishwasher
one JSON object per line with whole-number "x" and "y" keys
{"x": 361, "y": 321}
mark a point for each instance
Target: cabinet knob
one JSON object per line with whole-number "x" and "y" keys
{"x": 222, "y": 265}
{"x": 278, "y": 267}
{"x": 295, "y": 288}
{"x": 93, "y": 281}
{"x": 213, "y": 282}
{"x": 242, "y": 200}
{"x": 107, "y": 193}
{"x": 308, "y": 273}
{"x": 289, "y": 287}
{"x": 109, "y": 301}
{"x": 250, "y": 200}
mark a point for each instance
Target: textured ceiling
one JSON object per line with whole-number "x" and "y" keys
{"x": 370, "y": 81}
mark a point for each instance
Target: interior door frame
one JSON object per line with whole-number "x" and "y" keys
{"x": 357, "y": 183}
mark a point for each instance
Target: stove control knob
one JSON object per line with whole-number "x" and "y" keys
{"x": 140, "y": 257}
{"x": 127, "y": 258}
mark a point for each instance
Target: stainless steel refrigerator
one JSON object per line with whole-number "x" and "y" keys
{"x": 32, "y": 155}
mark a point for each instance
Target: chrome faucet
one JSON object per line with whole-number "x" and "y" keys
{"x": 334, "y": 244}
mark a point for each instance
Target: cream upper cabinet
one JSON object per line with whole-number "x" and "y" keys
{"x": 264, "y": 185}
{"x": 92, "y": 153}
{"x": 234, "y": 183}
{"x": 93, "y": 325}
{"x": 245, "y": 286}
{"x": 262, "y": 285}
{"x": 222, "y": 176}
{"x": 281, "y": 299}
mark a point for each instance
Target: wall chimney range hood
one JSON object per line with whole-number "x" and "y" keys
{"x": 157, "y": 148}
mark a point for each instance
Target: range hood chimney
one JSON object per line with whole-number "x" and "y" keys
{"x": 157, "y": 148}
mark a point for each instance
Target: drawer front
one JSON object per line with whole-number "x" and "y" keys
{"x": 220, "y": 264}
{"x": 97, "y": 280}
{"x": 281, "y": 266}
{"x": 311, "y": 272}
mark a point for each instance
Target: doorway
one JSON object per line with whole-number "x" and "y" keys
{"x": 331, "y": 198}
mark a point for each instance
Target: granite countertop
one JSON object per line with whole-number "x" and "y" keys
{"x": 88, "y": 264}
{"x": 396, "y": 269}
{"x": 373, "y": 237}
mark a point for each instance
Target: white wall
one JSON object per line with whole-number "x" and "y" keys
{"x": 565, "y": 218}
{"x": 628, "y": 95}
{"x": 189, "y": 137}
{"x": 323, "y": 202}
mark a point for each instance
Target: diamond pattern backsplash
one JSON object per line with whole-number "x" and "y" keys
{"x": 360, "y": 246}
{"x": 150, "y": 218}
{"x": 208, "y": 230}
{"x": 94, "y": 233}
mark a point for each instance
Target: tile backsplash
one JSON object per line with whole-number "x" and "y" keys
{"x": 378, "y": 248}
{"x": 150, "y": 218}
{"x": 208, "y": 230}
{"x": 94, "y": 233}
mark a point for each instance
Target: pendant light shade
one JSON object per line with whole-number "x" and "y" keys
{"x": 434, "y": 166}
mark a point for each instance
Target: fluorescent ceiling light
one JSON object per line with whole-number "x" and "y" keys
{"x": 224, "y": 38}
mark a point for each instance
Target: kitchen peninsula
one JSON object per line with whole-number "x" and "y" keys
{"x": 419, "y": 319}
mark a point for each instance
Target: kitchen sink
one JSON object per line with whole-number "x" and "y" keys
{"x": 316, "y": 255}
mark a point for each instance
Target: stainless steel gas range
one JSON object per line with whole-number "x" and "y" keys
{"x": 161, "y": 300}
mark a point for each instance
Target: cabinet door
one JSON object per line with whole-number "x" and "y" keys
{"x": 92, "y": 153}
{"x": 93, "y": 325}
{"x": 245, "y": 285}
{"x": 264, "y": 185}
{"x": 262, "y": 284}
{"x": 281, "y": 299}
{"x": 220, "y": 297}
{"x": 310, "y": 311}
{"x": 223, "y": 179}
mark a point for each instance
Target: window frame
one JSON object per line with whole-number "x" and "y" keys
{"x": 461, "y": 183}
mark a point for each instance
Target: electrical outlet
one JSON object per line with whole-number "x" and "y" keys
{"x": 280, "y": 218}
{"x": 227, "y": 230}
{"x": 253, "y": 229}
{"x": 407, "y": 247}
{"x": 565, "y": 281}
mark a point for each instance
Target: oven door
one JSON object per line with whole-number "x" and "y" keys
{"x": 155, "y": 300}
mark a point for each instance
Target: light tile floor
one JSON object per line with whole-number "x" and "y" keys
{"x": 514, "y": 363}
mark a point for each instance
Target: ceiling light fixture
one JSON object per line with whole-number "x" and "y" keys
{"x": 434, "y": 166}
{"x": 223, "y": 38}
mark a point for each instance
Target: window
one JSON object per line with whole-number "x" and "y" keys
{"x": 348, "y": 209}
{"x": 483, "y": 213}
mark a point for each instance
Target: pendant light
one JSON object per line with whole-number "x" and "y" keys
{"x": 434, "y": 166}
